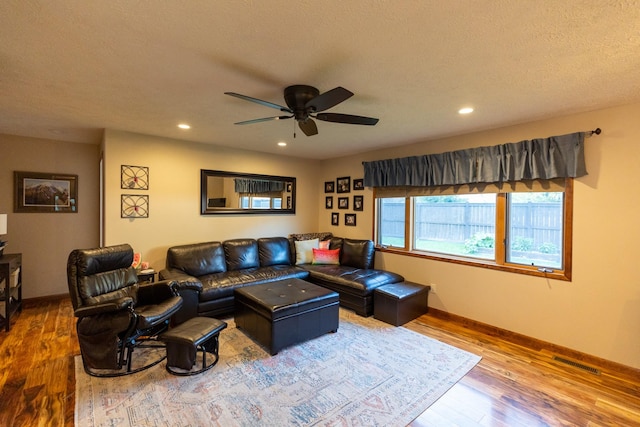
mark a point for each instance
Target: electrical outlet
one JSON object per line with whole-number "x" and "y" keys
{"x": 433, "y": 288}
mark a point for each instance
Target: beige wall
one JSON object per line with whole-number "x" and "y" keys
{"x": 45, "y": 239}
{"x": 174, "y": 193}
{"x": 599, "y": 311}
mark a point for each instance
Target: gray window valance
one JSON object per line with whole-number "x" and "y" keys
{"x": 543, "y": 158}
{"x": 258, "y": 186}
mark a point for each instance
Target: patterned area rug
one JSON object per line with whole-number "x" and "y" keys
{"x": 367, "y": 374}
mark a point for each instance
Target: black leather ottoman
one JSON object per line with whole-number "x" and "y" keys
{"x": 286, "y": 312}
{"x": 400, "y": 303}
{"x": 183, "y": 341}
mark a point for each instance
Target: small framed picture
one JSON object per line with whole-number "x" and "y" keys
{"x": 358, "y": 184}
{"x": 344, "y": 184}
{"x": 343, "y": 203}
{"x": 328, "y": 202}
{"x": 288, "y": 202}
{"x": 335, "y": 218}
{"x": 358, "y": 203}
{"x": 350, "y": 220}
{"x": 329, "y": 187}
{"x": 289, "y": 187}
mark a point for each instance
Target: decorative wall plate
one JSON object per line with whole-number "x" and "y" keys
{"x": 134, "y": 206}
{"x": 134, "y": 177}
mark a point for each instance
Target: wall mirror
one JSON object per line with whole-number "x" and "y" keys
{"x": 243, "y": 193}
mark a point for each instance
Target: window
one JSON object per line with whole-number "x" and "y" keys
{"x": 535, "y": 229}
{"x": 522, "y": 229}
{"x": 455, "y": 225}
{"x": 392, "y": 220}
{"x": 260, "y": 202}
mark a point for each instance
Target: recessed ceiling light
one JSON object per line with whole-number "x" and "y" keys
{"x": 282, "y": 144}
{"x": 184, "y": 126}
{"x": 465, "y": 110}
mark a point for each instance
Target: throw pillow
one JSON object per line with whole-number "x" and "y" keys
{"x": 324, "y": 244}
{"x": 326, "y": 256}
{"x": 304, "y": 251}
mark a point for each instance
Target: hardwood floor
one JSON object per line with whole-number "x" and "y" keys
{"x": 513, "y": 385}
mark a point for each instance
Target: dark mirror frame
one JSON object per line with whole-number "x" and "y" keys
{"x": 288, "y": 197}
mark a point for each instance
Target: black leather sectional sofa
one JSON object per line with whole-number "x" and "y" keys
{"x": 209, "y": 272}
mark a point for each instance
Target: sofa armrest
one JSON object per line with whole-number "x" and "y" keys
{"x": 182, "y": 279}
{"x": 189, "y": 288}
{"x": 156, "y": 292}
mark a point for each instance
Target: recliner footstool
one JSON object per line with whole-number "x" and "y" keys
{"x": 185, "y": 340}
{"x": 286, "y": 312}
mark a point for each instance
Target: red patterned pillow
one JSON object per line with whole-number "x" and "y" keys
{"x": 326, "y": 256}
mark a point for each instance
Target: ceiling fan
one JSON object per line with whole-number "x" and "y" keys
{"x": 305, "y": 103}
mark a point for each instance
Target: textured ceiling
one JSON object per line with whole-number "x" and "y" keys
{"x": 71, "y": 68}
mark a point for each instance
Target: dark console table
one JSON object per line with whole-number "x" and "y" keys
{"x": 10, "y": 287}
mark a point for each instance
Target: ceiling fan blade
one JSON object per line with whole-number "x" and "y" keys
{"x": 259, "y": 101}
{"x": 308, "y": 127}
{"x": 347, "y": 118}
{"x": 264, "y": 119}
{"x": 329, "y": 99}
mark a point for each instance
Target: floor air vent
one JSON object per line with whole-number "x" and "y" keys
{"x": 577, "y": 365}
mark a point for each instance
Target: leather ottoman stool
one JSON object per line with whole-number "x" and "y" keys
{"x": 183, "y": 341}
{"x": 285, "y": 312}
{"x": 399, "y": 303}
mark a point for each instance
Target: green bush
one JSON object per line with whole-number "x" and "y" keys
{"x": 548, "y": 248}
{"x": 477, "y": 241}
{"x": 523, "y": 244}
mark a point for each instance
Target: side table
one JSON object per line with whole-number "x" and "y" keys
{"x": 148, "y": 275}
{"x": 10, "y": 287}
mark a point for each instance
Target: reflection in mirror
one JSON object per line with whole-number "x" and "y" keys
{"x": 240, "y": 193}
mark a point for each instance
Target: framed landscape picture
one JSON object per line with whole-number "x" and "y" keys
{"x": 45, "y": 192}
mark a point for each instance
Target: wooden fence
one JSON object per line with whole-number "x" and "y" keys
{"x": 457, "y": 222}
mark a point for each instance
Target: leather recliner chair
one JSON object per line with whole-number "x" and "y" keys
{"x": 115, "y": 313}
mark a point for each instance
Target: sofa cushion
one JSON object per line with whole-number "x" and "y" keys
{"x": 241, "y": 254}
{"x": 220, "y": 285}
{"x": 304, "y": 251}
{"x": 197, "y": 259}
{"x": 355, "y": 281}
{"x": 274, "y": 251}
{"x": 335, "y": 243}
{"x": 357, "y": 253}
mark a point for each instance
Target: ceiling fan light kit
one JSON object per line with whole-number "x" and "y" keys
{"x": 304, "y": 103}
